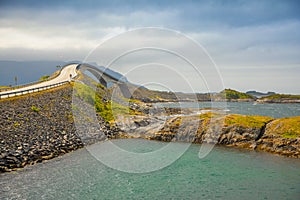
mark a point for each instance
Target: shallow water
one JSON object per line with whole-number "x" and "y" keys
{"x": 226, "y": 173}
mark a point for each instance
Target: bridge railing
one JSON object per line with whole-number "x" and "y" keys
{"x": 27, "y": 84}
{"x": 36, "y": 82}
{"x": 28, "y": 91}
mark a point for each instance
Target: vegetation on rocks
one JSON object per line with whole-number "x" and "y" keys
{"x": 35, "y": 109}
{"x": 38, "y": 127}
{"x": 233, "y": 94}
{"x": 236, "y": 119}
{"x": 2, "y": 87}
{"x": 247, "y": 121}
{"x": 99, "y": 97}
{"x": 282, "y": 96}
{"x": 41, "y": 126}
{"x": 44, "y": 78}
{"x": 279, "y": 136}
{"x": 285, "y": 127}
{"x": 30, "y": 134}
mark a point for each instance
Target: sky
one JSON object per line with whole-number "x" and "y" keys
{"x": 254, "y": 44}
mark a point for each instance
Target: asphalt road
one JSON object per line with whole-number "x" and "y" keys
{"x": 63, "y": 76}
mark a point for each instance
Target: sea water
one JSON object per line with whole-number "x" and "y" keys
{"x": 245, "y": 108}
{"x": 225, "y": 173}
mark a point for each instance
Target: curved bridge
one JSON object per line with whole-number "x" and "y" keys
{"x": 105, "y": 77}
{"x": 102, "y": 74}
{"x": 68, "y": 72}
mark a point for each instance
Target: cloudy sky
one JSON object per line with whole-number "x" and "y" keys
{"x": 255, "y": 44}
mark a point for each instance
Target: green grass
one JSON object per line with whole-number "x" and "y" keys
{"x": 4, "y": 87}
{"x": 290, "y": 135}
{"x": 44, "y": 78}
{"x": 282, "y": 96}
{"x": 286, "y": 127}
{"x": 246, "y": 120}
{"x": 235, "y": 119}
{"x": 106, "y": 109}
{"x": 233, "y": 94}
{"x": 16, "y": 124}
{"x": 85, "y": 92}
{"x": 110, "y": 109}
{"x": 35, "y": 109}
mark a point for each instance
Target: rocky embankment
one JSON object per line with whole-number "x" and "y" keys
{"x": 39, "y": 127}
{"x": 45, "y": 125}
{"x": 279, "y": 136}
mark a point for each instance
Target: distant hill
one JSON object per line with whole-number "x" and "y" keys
{"x": 260, "y": 94}
{"x": 233, "y": 95}
{"x": 280, "y": 98}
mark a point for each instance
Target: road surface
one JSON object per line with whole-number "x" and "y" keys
{"x": 63, "y": 76}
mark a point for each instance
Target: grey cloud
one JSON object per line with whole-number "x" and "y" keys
{"x": 239, "y": 35}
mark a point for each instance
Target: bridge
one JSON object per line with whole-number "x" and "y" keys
{"x": 67, "y": 73}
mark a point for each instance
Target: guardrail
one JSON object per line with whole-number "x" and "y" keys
{"x": 27, "y": 84}
{"x": 28, "y": 91}
{"x": 36, "y": 82}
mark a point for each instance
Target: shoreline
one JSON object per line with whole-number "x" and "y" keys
{"x": 40, "y": 127}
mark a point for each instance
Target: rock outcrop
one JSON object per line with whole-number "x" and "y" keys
{"x": 281, "y": 136}
{"x": 42, "y": 126}
{"x": 250, "y": 132}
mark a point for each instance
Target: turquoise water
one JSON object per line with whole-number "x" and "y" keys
{"x": 245, "y": 108}
{"x": 226, "y": 173}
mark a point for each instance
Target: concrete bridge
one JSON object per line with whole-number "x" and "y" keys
{"x": 105, "y": 77}
{"x": 67, "y": 73}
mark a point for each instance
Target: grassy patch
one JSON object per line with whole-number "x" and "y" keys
{"x": 233, "y": 94}
{"x": 246, "y": 120}
{"x": 211, "y": 118}
{"x": 85, "y": 92}
{"x": 286, "y": 127}
{"x": 106, "y": 109}
{"x": 282, "y": 96}
{"x": 16, "y": 124}
{"x": 44, "y": 78}
{"x": 235, "y": 119}
{"x": 210, "y": 115}
{"x": 35, "y": 109}
{"x": 4, "y": 87}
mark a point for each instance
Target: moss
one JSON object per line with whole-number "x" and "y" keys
{"x": 235, "y": 119}
{"x": 211, "y": 118}
{"x": 44, "y": 78}
{"x": 35, "y": 109}
{"x": 290, "y": 135}
{"x": 286, "y": 127}
{"x": 247, "y": 121}
{"x": 16, "y": 124}
{"x": 209, "y": 115}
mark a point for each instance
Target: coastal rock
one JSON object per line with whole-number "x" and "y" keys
{"x": 280, "y": 136}
{"x": 40, "y": 126}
